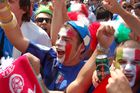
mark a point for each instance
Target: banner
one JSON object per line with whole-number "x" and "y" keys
{"x": 18, "y": 77}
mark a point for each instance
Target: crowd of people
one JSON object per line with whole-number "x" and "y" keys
{"x": 62, "y": 39}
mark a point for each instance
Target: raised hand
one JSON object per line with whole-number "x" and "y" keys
{"x": 112, "y": 5}
{"x": 118, "y": 83}
{"x": 105, "y": 35}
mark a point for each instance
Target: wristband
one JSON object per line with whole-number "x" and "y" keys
{"x": 102, "y": 49}
{"x": 9, "y": 25}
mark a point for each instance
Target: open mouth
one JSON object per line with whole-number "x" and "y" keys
{"x": 129, "y": 77}
{"x": 44, "y": 28}
{"x": 60, "y": 53}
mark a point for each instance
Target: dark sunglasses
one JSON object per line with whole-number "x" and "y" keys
{"x": 47, "y": 20}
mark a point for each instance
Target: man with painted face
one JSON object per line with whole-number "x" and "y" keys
{"x": 60, "y": 66}
{"x": 128, "y": 55}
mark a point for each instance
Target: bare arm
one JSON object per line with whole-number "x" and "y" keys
{"x": 132, "y": 21}
{"x": 84, "y": 79}
{"x": 12, "y": 31}
{"x": 57, "y": 19}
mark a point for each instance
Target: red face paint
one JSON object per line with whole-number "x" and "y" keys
{"x": 68, "y": 51}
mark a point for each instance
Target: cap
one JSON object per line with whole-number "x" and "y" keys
{"x": 43, "y": 9}
{"x": 83, "y": 31}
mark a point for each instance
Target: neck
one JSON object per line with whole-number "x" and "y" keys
{"x": 19, "y": 20}
{"x": 72, "y": 62}
{"x": 135, "y": 88}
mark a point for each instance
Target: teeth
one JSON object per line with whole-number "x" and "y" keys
{"x": 59, "y": 49}
{"x": 129, "y": 76}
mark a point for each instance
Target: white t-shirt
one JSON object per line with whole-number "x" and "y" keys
{"x": 35, "y": 34}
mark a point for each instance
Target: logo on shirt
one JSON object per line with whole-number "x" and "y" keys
{"x": 60, "y": 78}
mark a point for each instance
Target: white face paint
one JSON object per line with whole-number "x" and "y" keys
{"x": 130, "y": 72}
{"x": 129, "y": 59}
{"x": 61, "y": 44}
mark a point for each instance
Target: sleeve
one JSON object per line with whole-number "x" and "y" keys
{"x": 45, "y": 54}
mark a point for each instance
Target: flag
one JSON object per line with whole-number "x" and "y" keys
{"x": 18, "y": 77}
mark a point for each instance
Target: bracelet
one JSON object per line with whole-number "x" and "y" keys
{"x": 10, "y": 25}
{"x": 5, "y": 18}
{"x": 6, "y": 8}
{"x": 102, "y": 49}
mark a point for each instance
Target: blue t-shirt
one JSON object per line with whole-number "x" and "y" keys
{"x": 56, "y": 75}
{"x": 7, "y": 46}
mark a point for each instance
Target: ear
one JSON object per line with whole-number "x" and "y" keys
{"x": 82, "y": 48}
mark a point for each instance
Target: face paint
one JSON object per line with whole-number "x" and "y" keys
{"x": 63, "y": 45}
{"x": 128, "y": 58}
{"x": 68, "y": 51}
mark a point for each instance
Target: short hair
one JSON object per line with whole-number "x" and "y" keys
{"x": 102, "y": 13}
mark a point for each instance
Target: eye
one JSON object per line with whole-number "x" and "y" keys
{"x": 66, "y": 39}
{"x": 135, "y": 62}
{"x": 122, "y": 61}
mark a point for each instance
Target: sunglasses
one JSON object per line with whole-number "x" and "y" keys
{"x": 47, "y": 20}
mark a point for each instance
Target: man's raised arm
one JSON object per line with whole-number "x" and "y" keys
{"x": 9, "y": 23}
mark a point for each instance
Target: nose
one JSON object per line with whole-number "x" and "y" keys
{"x": 58, "y": 42}
{"x": 44, "y": 21}
{"x": 129, "y": 67}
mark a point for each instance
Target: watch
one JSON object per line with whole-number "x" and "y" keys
{"x": 102, "y": 49}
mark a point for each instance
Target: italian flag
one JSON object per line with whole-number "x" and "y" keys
{"x": 128, "y": 53}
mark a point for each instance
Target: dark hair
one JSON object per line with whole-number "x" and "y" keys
{"x": 127, "y": 5}
{"x": 26, "y": 6}
{"x": 102, "y": 13}
{"x": 137, "y": 5}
